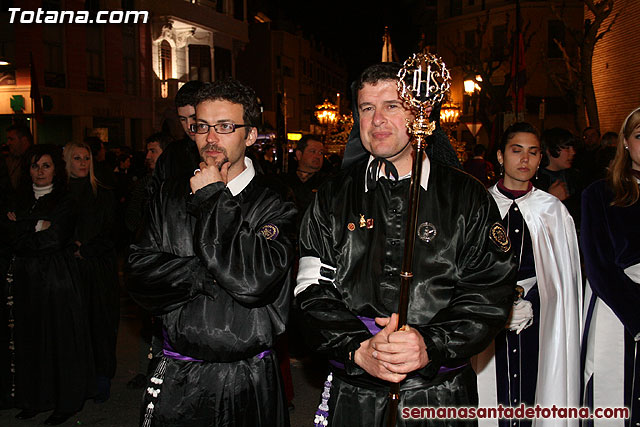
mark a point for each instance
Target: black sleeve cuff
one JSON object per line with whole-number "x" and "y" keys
{"x": 435, "y": 359}
{"x": 350, "y": 366}
{"x": 206, "y": 193}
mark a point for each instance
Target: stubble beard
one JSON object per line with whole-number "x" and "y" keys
{"x": 213, "y": 147}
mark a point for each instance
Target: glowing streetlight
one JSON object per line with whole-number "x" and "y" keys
{"x": 472, "y": 88}
{"x": 326, "y": 113}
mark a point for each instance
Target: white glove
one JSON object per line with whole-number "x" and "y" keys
{"x": 521, "y": 316}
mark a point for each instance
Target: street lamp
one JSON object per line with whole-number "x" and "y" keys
{"x": 472, "y": 89}
{"x": 327, "y": 114}
{"x": 471, "y": 84}
{"x": 449, "y": 115}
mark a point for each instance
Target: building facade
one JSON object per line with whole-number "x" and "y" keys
{"x": 114, "y": 80}
{"x": 481, "y": 32}
{"x": 292, "y": 74}
{"x": 615, "y": 76}
{"x": 192, "y": 40}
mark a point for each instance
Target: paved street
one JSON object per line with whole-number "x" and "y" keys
{"x": 122, "y": 409}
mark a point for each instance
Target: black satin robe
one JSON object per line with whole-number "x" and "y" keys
{"x": 96, "y": 230}
{"x": 53, "y": 358}
{"x": 178, "y": 160}
{"x": 462, "y": 291}
{"x": 516, "y": 354}
{"x": 222, "y": 288}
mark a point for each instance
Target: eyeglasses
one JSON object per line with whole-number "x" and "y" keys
{"x": 220, "y": 128}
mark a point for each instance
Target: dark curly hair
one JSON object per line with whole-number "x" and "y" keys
{"x": 232, "y": 90}
{"x": 187, "y": 93}
{"x": 160, "y": 137}
{"x": 555, "y": 139}
{"x": 377, "y": 72}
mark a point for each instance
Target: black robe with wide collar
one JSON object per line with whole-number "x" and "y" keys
{"x": 216, "y": 267}
{"x": 352, "y": 241}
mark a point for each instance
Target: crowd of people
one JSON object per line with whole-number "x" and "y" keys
{"x": 61, "y": 284}
{"x": 66, "y": 218}
{"x": 525, "y": 280}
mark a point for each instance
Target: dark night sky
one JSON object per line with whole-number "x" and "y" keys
{"x": 355, "y": 28}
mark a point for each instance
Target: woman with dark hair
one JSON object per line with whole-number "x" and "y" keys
{"x": 535, "y": 359}
{"x": 610, "y": 240}
{"x": 94, "y": 239}
{"x": 52, "y": 359}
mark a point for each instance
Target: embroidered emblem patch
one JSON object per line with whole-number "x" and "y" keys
{"x": 427, "y": 232}
{"x": 269, "y": 231}
{"x": 499, "y": 236}
{"x": 351, "y": 226}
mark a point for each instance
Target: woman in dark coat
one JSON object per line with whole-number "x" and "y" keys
{"x": 95, "y": 251}
{"x": 610, "y": 241}
{"x": 52, "y": 360}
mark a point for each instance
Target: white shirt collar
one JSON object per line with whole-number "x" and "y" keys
{"x": 424, "y": 178}
{"x": 237, "y": 184}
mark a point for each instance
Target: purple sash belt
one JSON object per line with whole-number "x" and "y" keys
{"x": 370, "y": 324}
{"x": 168, "y": 351}
{"x": 374, "y": 329}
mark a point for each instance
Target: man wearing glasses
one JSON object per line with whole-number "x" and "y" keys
{"x": 214, "y": 263}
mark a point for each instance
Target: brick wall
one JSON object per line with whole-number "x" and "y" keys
{"x": 616, "y": 69}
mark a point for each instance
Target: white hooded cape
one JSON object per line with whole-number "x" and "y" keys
{"x": 557, "y": 265}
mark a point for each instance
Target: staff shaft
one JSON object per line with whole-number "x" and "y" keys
{"x": 406, "y": 275}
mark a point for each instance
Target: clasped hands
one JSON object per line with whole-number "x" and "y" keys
{"x": 208, "y": 173}
{"x": 390, "y": 355}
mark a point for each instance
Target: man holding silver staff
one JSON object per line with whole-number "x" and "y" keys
{"x": 351, "y": 242}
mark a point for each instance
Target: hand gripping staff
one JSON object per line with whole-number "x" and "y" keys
{"x": 423, "y": 81}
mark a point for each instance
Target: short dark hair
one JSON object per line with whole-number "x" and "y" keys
{"x": 479, "y": 150}
{"x": 304, "y": 141}
{"x": 377, "y": 72}
{"x": 160, "y": 137}
{"x": 95, "y": 143}
{"x": 589, "y": 128}
{"x": 23, "y": 131}
{"x": 35, "y": 152}
{"x": 187, "y": 93}
{"x": 610, "y": 138}
{"x": 515, "y": 128}
{"x": 123, "y": 157}
{"x": 232, "y": 90}
{"x": 555, "y": 139}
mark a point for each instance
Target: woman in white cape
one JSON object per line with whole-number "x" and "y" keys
{"x": 536, "y": 359}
